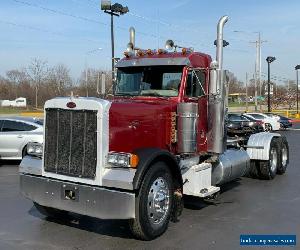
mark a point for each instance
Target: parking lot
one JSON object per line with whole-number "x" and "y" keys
{"x": 245, "y": 206}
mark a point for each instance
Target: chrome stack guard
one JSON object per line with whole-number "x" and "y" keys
{"x": 92, "y": 201}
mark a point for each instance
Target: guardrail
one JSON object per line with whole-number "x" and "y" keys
{"x": 32, "y": 113}
{"x": 290, "y": 113}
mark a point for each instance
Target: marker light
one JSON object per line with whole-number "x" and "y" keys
{"x": 161, "y": 51}
{"x": 140, "y": 53}
{"x": 149, "y": 52}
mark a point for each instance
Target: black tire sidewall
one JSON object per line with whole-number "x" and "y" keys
{"x": 151, "y": 231}
{"x": 282, "y": 168}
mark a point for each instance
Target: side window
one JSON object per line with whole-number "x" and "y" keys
{"x": 234, "y": 118}
{"x": 28, "y": 127}
{"x": 12, "y": 126}
{"x": 195, "y": 85}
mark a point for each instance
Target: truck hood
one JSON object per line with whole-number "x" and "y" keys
{"x": 136, "y": 124}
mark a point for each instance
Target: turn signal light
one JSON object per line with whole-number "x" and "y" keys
{"x": 134, "y": 160}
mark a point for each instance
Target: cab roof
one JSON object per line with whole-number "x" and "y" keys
{"x": 192, "y": 59}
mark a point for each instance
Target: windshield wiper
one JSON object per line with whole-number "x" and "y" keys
{"x": 125, "y": 94}
{"x": 152, "y": 94}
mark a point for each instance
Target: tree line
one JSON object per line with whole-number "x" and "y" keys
{"x": 39, "y": 82}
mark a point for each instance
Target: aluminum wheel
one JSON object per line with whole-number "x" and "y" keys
{"x": 284, "y": 154}
{"x": 273, "y": 160}
{"x": 158, "y": 200}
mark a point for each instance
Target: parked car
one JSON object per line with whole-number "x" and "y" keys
{"x": 284, "y": 121}
{"x": 16, "y": 133}
{"x": 238, "y": 124}
{"x": 269, "y": 123}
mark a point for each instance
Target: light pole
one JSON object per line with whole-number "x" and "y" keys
{"x": 269, "y": 60}
{"x": 113, "y": 10}
{"x": 86, "y": 68}
{"x": 297, "y": 68}
{"x": 257, "y": 75}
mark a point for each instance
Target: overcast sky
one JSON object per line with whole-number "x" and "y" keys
{"x": 63, "y": 31}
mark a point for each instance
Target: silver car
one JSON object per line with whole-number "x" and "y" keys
{"x": 16, "y": 133}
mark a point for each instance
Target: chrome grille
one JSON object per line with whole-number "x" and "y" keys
{"x": 71, "y": 142}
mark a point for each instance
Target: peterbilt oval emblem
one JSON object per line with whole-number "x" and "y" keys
{"x": 71, "y": 105}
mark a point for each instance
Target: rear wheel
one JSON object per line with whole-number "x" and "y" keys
{"x": 268, "y": 169}
{"x": 284, "y": 156}
{"x": 268, "y": 127}
{"x": 49, "y": 211}
{"x": 24, "y": 151}
{"x": 153, "y": 203}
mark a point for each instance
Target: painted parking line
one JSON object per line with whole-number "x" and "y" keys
{"x": 293, "y": 129}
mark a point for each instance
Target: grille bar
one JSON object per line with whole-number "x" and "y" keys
{"x": 71, "y": 142}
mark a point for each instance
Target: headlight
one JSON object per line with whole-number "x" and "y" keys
{"x": 35, "y": 148}
{"x": 124, "y": 160}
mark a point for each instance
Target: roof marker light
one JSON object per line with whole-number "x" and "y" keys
{"x": 149, "y": 52}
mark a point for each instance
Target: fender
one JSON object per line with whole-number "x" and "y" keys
{"x": 147, "y": 156}
{"x": 259, "y": 145}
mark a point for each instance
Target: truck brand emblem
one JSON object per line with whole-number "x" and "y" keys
{"x": 71, "y": 105}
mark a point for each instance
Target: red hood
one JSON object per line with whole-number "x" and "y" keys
{"x": 136, "y": 124}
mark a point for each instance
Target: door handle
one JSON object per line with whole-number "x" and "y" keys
{"x": 134, "y": 124}
{"x": 20, "y": 136}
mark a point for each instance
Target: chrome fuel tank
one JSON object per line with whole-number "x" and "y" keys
{"x": 187, "y": 127}
{"x": 232, "y": 164}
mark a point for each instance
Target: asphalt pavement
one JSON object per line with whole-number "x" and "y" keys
{"x": 245, "y": 206}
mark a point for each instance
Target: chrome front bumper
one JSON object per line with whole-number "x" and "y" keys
{"x": 92, "y": 201}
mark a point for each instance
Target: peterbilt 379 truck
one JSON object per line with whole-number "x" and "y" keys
{"x": 161, "y": 136}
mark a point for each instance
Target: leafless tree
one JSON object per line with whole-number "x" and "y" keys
{"x": 59, "y": 80}
{"x": 37, "y": 71}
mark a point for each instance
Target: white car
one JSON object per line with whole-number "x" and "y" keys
{"x": 270, "y": 123}
{"x": 16, "y": 133}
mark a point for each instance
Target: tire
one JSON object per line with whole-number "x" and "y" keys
{"x": 50, "y": 212}
{"x": 253, "y": 171}
{"x": 24, "y": 151}
{"x": 268, "y": 169}
{"x": 150, "y": 223}
{"x": 268, "y": 127}
{"x": 284, "y": 156}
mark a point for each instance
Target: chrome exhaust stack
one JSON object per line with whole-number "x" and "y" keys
{"x": 132, "y": 36}
{"x": 216, "y": 136}
{"x": 131, "y": 45}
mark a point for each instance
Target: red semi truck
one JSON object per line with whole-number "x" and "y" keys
{"x": 161, "y": 136}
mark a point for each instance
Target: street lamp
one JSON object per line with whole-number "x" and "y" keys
{"x": 113, "y": 10}
{"x": 297, "y": 68}
{"x": 269, "y": 60}
{"x": 86, "y": 68}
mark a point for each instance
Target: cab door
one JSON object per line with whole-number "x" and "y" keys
{"x": 196, "y": 91}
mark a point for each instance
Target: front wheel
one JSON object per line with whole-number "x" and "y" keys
{"x": 153, "y": 203}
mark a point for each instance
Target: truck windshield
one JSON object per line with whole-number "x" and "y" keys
{"x": 149, "y": 81}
